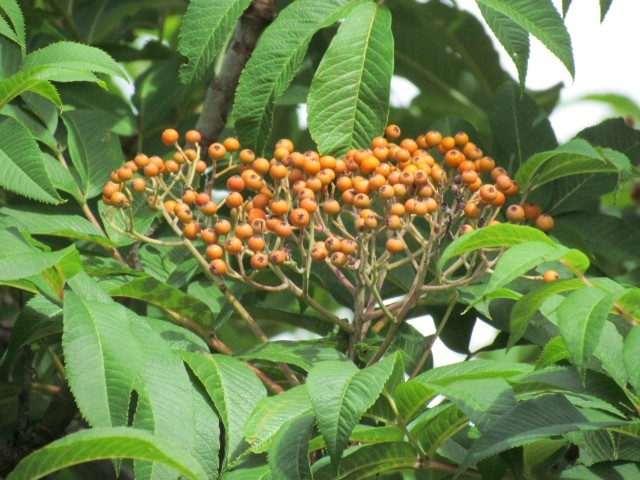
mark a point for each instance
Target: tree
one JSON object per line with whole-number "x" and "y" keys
{"x": 155, "y": 244}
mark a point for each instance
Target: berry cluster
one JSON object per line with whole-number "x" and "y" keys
{"x": 353, "y": 212}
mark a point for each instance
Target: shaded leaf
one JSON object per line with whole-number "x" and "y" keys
{"x": 21, "y": 163}
{"x": 94, "y": 149}
{"x": 520, "y": 128}
{"x": 234, "y": 389}
{"x": 153, "y": 291}
{"x": 367, "y": 460}
{"x": 289, "y": 452}
{"x": 271, "y": 413}
{"x": 304, "y": 354}
{"x": 274, "y": 63}
{"x": 349, "y": 96}
{"x": 205, "y": 27}
{"x": 502, "y": 235}
{"x": 542, "y": 20}
{"x": 101, "y": 443}
{"x": 340, "y": 394}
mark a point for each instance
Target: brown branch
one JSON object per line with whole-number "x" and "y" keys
{"x": 219, "y": 97}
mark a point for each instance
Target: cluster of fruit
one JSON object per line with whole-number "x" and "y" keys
{"x": 399, "y": 195}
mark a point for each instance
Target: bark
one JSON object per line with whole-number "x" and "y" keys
{"x": 219, "y": 97}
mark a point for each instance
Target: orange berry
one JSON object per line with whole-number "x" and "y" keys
{"x": 392, "y": 132}
{"x": 531, "y": 211}
{"x": 231, "y": 144}
{"x": 395, "y": 245}
{"x": 259, "y": 261}
{"x": 141, "y": 160}
{"x": 319, "y": 252}
{"x": 544, "y": 222}
{"x": 471, "y": 210}
{"x": 217, "y": 267}
{"x": 278, "y": 257}
{"x": 338, "y": 259}
{"x": 119, "y": 200}
{"x": 234, "y": 200}
{"x": 515, "y": 213}
{"x": 279, "y": 207}
{"x": 283, "y": 230}
{"x": 550, "y": 276}
{"x": 138, "y": 185}
{"x": 246, "y": 156}
{"x": 216, "y": 151}
{"x": 191, "y": 230}
{"x": 243, "y": 231}
{"x": 233, "y": 245}
{"x": 464, "y": 229}
{"x": 193, "y": 137}
{"x": 433, "y": 138}
{"x": 256, "y": 243}
{"x": 201, "y": 167}
{"x": 169, "y": 137}
{"x": 189, "y": 197}
{"x": 488, "y": 193}
{"x": 222, "y": 227}
{"x": 299, "y": 217}
{"x": 209, "y": 208}
{"x": 209, "y": 236}
{"x": 461, "y": 139}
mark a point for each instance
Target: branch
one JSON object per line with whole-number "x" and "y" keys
{"x": 220, "y": 94}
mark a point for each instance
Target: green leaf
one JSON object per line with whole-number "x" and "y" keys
{"x": 12, "y": 9}
{"x": 604, "y": 8}
{"x": 581, "y": 318}
{"x": 483, "y": 401}
{"x": 205, "y": 27}
{"x": 615, "y": 133}
{"x": 60, "y": 177}
{"x": 157, "y": 293}
{"x": 274, "y": 63}
{"x": 52, "y": 223}
{"x": 436, "y": 425}
{"x": 94, "y": 149}
{"x": 542, "y": 20}
{"x": 631, "y": 358}
{"x": 603, "y": 471}
{"x": 610, "y": 353}
{"x": 174, "y": 266}
{"x": 600, "y": 236}
{"x": 162, "y": 383}
{"x": 271, "y": 413}
{"x": 340, "y": 394}
{"x": 502, "y": 235}
{"x": 530, "y": 421}
{"x": 413, "y": 395}
{"x": 554, "y": 351}
{"x": 368, "y": 460}
{"x": 349, "y": 96}
{"x": 235, "y": 391}
{"x": 102, "y": 358}
{"x": 157, "y": 92}
{"x": 304, "y": 354}
{"x": 21, "y": 163}
{"x": 365, "y": 434}
{"x": 574, "y": 158}
{"x": 528, "y": 305}
{"x": 289, "y": 452}
{"x": 520, "y": 128}
{"x": 262, "y": 472}
{"x": 521, "y": 258}
{"x": 32, "y": 324}
{"x": 32, "y": 123}
{"x": 102, "y": 443}
{"x": 69, "y": 62}
{"x": 513, "y": 38}
{"x": 18, "y": 259}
